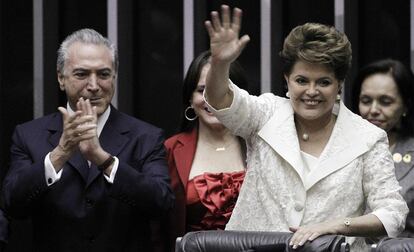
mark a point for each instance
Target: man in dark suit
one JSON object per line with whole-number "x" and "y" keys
{"x": 89, "y": 176}
{"x": 4, "y": 230}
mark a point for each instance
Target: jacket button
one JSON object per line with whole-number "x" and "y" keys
{"x": 298, "y": 207}
{"x": 89, "y": 202}
{"x": 49, "y": 181}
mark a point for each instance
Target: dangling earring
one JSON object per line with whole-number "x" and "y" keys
{"x": 287, "y": 94}
{"x": 338, "y": 98}
{"x": 187, "y": 117}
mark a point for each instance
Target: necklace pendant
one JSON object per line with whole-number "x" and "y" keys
{"x": 305, "y": 137}
{"x": 221, "y": 148}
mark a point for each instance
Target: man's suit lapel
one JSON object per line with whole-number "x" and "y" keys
{"x": 76, "y": 161}
{"x": 112, "y": 140}
{"x": 184, "y": 155}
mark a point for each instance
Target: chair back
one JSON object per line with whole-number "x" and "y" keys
{"x": 254, "y": 241}
{"x": 394, "y": 245}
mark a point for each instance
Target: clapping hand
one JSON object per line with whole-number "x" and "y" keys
{"x": 78, "y": 127}
{"x": 88, "y": 145}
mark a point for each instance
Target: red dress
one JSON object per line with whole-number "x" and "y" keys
{"x": 211, "y": 198}
{"x": 211, "y": 210}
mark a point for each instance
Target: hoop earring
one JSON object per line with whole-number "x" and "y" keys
{"x": 187, "y": 117}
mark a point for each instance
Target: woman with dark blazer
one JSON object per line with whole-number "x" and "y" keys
{"x": 206, "y": 162}
{"x": 382, "y": 94}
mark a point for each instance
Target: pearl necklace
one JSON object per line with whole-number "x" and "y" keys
{"x": 305, "y": 137}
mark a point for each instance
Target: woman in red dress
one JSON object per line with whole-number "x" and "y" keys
{"x": 206, "y": 162}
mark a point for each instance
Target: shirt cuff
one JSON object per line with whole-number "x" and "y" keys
{"x": 50, "y": 173}
{"x": 111, "y": 176}
{"x": 211, "y": 108}
{"x": 388, "y": 222}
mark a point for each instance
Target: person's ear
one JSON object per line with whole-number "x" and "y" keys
{"x": 341, "y": 84}
{"x": 286, "y": 78}
{"x": 61, "y": 78}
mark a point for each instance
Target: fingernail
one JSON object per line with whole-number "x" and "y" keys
{"x": 295, "y": 246}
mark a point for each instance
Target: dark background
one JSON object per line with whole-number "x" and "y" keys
{"x": 150, "y": 42}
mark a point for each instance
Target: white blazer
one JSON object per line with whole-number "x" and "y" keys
{"x": 354, "y": 175}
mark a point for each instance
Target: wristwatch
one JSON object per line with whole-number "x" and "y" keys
{"x": 106, "y": 163}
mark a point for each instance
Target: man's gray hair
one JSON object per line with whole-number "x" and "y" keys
{"x": 87, "y": 36}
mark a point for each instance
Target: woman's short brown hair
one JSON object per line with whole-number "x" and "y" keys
{"x": 319, "y": 44}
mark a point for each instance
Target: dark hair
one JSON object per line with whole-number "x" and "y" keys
{"x": 404, "y": 79}
{"x": 319, "y": 44}
{"x": 237, "y": 76}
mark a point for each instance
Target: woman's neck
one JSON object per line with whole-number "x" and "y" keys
{"x": 392, "y": 138}
{"x": 314, "y": 135}
{"x": 218, "y": 135}
{"x": 310, "y": 127}
{"x": 217, "y": 151}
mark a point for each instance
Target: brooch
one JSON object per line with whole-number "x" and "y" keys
{"x": 397, "y": 157}
{"x": 407, "y": 158}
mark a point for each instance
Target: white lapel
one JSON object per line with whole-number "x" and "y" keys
{"x": 345, "y": 144}
{"x": 280, "y": 133}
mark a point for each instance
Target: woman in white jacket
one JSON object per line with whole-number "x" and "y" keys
{"x": 314, "y": 167}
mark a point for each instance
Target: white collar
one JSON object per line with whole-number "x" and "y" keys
{"x": 345, "y": 144}
{"x": 101, "y": 119}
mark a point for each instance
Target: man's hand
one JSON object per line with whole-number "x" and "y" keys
{"x": 88, "y": 146}
{"x": 91, "y": 148}
{"x": 76, "y": 128}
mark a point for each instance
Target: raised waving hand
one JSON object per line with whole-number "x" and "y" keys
{"x": 225, "y": 47}
{"x": 225, "y": 44}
